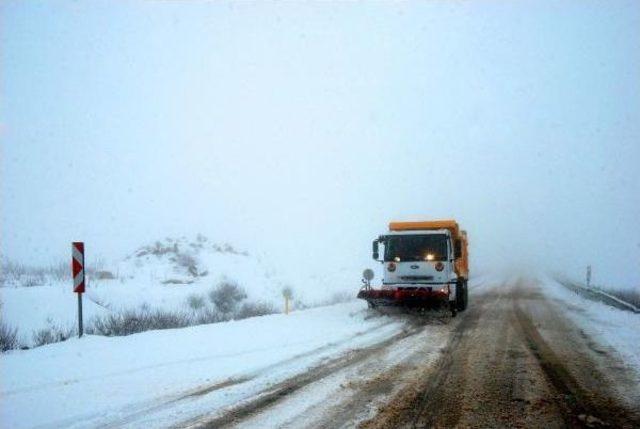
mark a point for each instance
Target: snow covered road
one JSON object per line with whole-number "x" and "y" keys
{"x": 164, "y": 377}
{"x": 516, "y": 360}
{"x": 526, "y": 352}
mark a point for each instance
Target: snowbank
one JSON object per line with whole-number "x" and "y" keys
{"x": 609, "y": 326}
{"x": 98, "y": 380}
{"x": 163, "y": 276}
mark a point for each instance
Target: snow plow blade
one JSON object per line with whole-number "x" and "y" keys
{"x": 422, "y": 297}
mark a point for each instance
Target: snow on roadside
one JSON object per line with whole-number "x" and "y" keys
{"x": 609, "y": 326}
{"x": 165, "y": 276}
{"x": 97, "y": 380}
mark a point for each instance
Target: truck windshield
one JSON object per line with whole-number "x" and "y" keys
{"x": 432, "y": 247}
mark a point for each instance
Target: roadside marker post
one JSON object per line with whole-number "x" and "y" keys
{"x": 588, "y": 275}
{"x": 77, "y": 270}
{"x": 287, "y": 293}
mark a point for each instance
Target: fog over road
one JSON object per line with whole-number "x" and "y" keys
{"x": 511, "y": 360}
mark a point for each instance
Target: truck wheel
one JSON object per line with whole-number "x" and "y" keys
{"x": 371, "y": 304}
{"x": 454, "y": 308}
{"x": 460, "y": 302}
{"x": 466, "y": 294}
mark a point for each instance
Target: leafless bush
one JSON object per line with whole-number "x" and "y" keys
{"x": 176, "y": 282}
{"x": 250, "y": 309}
{"x": 189, "y": 262}
{"x": 24, "y": 275}
{"x": 8, "y": 337}
{"x": 12, "y": 269}
{"x": 104, "y": 275}
{"x": 60, "y": 271}
{"x": 208, "y": 315}
{"x": 226, "y": 296}
{"x": 138, "y": 320}
{"x": 32, "y": 280}
{"x": 195, "y": 302}
{"x": 52, "y": 334}
{"x": 227, "y": 248}
{"x": 158, "y": 249}
{"x": 298, "y": 304}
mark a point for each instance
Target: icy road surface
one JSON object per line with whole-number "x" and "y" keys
{"x": 526, "y": 353}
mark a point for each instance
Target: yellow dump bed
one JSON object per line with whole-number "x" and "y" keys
{"x": 451, "y": 225}
{"x": 461, "y": 263}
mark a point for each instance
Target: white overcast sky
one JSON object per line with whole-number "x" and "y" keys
{"x": 303, "y": 128}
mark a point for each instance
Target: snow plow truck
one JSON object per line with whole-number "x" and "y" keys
{"x": 426, "y": 267}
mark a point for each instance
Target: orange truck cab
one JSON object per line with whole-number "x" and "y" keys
{"x": 425, "y": 265}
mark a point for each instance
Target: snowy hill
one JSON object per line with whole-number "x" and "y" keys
{"x": 174, "y": 275}
{"x": 173, "y": 266}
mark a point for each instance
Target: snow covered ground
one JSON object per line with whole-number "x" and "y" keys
{"x": 164, "y": 275}
{"x": 161, "y": 378}
{"x": 119, "y": 381}
{"x": 609, "y": 326}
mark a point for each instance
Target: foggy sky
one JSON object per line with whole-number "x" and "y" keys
{"x": 302, "y": 129}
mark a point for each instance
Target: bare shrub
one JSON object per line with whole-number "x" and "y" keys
{"x": 195, "y": 302}
{"x": 187, "y": 261}
{"x": 226, "y": 296}
{"x": 158, "y": 249}
{"x": 250, "y": 309}
{"x": 104, "y": 275}
{"x": 208, "y": 315}
{"x": 8, "y": 337}
{"x": 176, "y": 282}
{"x": 33, "y": 280}
{"x": 298, "y": 304}
{"x": 227, "y": 248}
{"x": 12, "y": 271}
{"x": 133, "y": 321}
{"x": 52, "y": 334}
{"x": 24, "y": 275}
{"x": 60, "y": 271}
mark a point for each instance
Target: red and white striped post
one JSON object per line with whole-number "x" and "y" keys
{"x": 77, "y": 269}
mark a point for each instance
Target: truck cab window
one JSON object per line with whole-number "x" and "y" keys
{"x": 431, "y": 247}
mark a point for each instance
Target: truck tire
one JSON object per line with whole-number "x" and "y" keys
{"x": 460, "y": 289}
{"x": 466, "y": 294}
{"x": 453, "y": 305}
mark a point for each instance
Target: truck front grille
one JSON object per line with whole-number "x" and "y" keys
{"x": 416, "y": 278}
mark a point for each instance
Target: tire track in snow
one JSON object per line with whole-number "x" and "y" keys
{"x": 133, "y": 413}
{"x": 282, "y": 390}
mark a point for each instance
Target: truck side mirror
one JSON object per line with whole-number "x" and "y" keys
{"x": 375, "y": 250}
{"x": 457, "y": 248}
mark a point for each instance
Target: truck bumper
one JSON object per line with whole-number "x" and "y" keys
{"x": 411, "y": 296}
